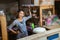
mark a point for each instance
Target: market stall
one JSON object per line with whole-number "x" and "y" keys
{"x": 41, "y": 10}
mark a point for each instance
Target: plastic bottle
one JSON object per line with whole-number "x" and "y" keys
{"x": 33, "y": 26}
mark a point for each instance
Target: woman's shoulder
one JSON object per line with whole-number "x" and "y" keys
{"x": 24, "y": 17}
{"x": 15, "y": 20}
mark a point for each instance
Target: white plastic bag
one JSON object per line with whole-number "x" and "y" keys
{"x": 39, "y": 30}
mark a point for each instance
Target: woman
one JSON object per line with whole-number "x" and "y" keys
{"x": 21, "y": 23}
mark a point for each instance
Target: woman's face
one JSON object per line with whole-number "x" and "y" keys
{"x": 21, "y": 14}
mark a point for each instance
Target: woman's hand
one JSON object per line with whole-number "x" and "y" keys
{"x": 15, "y": 32}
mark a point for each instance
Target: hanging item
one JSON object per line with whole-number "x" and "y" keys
{"x": 47, "y": 2}
{"x": 36, "y": 2}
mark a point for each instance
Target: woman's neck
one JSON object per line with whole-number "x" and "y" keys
{"x": 20, "y": 18}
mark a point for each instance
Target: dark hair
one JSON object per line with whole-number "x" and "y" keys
{"x": 20, "y": 10}
{"x": 17, "y": 16}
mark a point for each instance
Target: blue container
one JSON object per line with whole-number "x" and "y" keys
{"x": 53, "y": 37}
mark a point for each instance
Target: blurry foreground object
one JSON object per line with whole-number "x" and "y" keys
{"x": 39, "y": 30}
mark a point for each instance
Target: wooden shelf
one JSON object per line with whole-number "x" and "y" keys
{"x": 45, "y": 7}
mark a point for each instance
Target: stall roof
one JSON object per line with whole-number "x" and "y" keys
{"x": 57, "y": 0}
{"x": 7, "y": 1}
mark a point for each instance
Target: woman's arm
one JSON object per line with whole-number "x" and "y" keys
{"x": 30, "y": 12}
{"x": 30, "y": 15}
{"x": 11, "y": 26}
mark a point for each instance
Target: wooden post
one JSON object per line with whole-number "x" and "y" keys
{"x": 40, "y": 17}
{"x": 3, "y": 27}
{"x": 53, "y": 10}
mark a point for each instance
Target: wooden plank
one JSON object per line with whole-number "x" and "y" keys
{"x": 3, "y": 28}
{"x": 52, "y": 27}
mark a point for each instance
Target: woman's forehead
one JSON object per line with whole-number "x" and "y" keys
{"x": 21, "y": 12}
